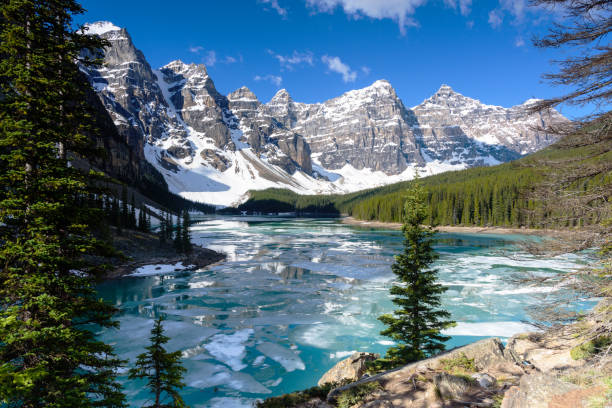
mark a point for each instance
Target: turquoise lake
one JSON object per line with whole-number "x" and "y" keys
{"x": 295, "y": 296}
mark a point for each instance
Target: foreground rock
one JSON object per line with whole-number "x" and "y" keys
{"x": 483, "y": 374}
{"x": 352, "y": 369}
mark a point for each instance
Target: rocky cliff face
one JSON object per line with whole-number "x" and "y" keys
{"x": 213, "y": 148}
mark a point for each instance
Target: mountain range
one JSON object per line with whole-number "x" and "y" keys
{"x": 213, "y": 148}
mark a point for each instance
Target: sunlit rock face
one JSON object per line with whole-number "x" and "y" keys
{"x": 214, "y": 148}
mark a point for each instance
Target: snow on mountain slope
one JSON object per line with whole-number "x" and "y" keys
{"x": 214, "y": 148}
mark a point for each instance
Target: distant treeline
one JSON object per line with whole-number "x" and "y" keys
{"x": 501, "y": 195}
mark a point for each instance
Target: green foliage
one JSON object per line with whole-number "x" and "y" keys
{"x": 295, "y": 398}
{"x": 483, "y": 196}
{"x": 417, "y": 324}
{"x": 49, "y": 356}
{"x": 162, "y": 370}
{"x": 590, "y": 348}
{"x": 460, "y": 364}
{"x": 186, "y": 245}
{"x": 357, "y": 394}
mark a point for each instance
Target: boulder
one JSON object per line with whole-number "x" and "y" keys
{"x": 451, "y": 386}
{"x": 536, "y": 391}
{"x": 544, "y": 354}
{"x": 484, "y": 380}
{"x": 352, "y": 368}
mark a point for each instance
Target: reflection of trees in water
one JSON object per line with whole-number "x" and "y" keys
{"x": 292, "y": 272}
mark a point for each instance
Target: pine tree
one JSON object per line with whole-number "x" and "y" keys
{"x": 162, "y": 369}
{"x": 133, "y": 213}
{"x": 125, "y": 215}
{"x": 49, "y": 356}
{"x": 416, "y": 326}
{"x": 168, "y": 227}
{"x": 142, "y": 219}
{"x": 178, "y": 234}
{"x": 162, "y": 229}
{"x": 148, "y": 222}
{"x": 186, "y": 245}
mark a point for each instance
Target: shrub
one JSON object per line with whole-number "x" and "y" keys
{"x": 357, "y": 394}
{"x": 590, "y": 348}
{"x": 459, "y": 364}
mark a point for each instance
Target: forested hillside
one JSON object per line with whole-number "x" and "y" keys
{"x": 503, "y": 195}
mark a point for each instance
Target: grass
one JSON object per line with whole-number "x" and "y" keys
{"x": 603, "y": 400}
{"x": 590, "y": 348}
{"x": 295, "y": 398}
{"x": 497, "y": 401}
{"x": 459, "y": 365}
{"x": 357, "y": 394}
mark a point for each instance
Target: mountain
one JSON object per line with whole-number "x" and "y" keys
{"x": 214, "y": 148}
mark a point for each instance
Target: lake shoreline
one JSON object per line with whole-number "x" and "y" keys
{"x": 142, "y": 248}
{"x": 459, "y": 229}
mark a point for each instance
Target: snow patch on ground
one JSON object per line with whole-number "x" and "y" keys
{"x": 159, "y": 269}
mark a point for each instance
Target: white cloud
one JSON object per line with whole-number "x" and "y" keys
{"x": 400, "y": 11}
{"x": 470, "y": 24}
{"x": 229, "y": 60}
{"x": 274, "y": 79}
{"x": 463, "y": 5}
{"x": 515, "y": 7}
{"x": 196, "y": 49}
{"x": 519, "y": 42}
{"x": 276, "y": 6}
{"x": 336, "y": 65}
{"x": 210, "y": 59}
{"x": 366, "y": 70}
{"x": 297, "y": 58}
{"x": 495, "y": 18}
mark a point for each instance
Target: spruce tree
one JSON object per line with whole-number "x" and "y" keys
{"x": 178, "y": 234}
{"x": 125, "y": 214}
{"x": 133, "y": 213}
{"x": 49, "y": 356}
{"x": 186, "y": 245}
{"x": 162, "y": 370}
{"x": 169, "y": 226}
{"x": 417, "y": 324}
{"x": 142, "y": 219}
{"x": 162, "y": 229}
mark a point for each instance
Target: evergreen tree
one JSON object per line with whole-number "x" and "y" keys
{"x": 162, "y": 229}
{"x": 178, "y": 234}
{"x": 186, "y": 245}
{"x": 125, "y": 214}
{"x": 169, "y": 226}
{"x": 148, "y": 222}
{"x": 416, "y": 326}
{"x": 142, "y": 219}
{"x": 133, "y": 213}
{"x": 162, "y": 369}
{"x": 49, "y": 356}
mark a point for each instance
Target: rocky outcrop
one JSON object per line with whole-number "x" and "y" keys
{"x": 536, "y": 391}
{"x": 352, "y": 369}
{"x": 482, "y": 374}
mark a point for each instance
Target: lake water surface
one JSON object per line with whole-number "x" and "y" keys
{"x": 295, "y": 296}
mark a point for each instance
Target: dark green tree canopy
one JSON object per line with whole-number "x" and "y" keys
{"x": 162, "y": 370}
{"x": 49, "y": 356}
{"x": 417, "y": 323}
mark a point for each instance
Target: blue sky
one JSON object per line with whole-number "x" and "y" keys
{"x": 318, "y": 49}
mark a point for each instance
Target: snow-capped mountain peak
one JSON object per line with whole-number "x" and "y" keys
{"x": 100, "y": 27}
{"x": 213, "y": 148}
